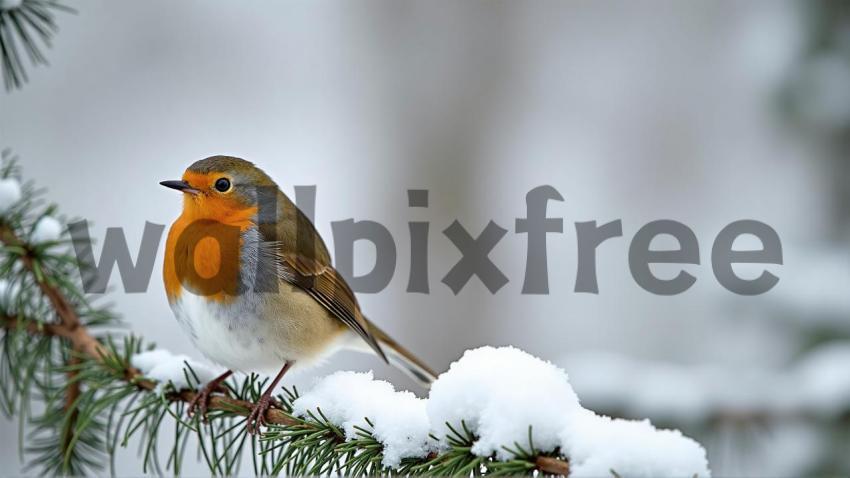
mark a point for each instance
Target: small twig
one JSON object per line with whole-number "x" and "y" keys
{"x": 80, "y": 337}
{"x": 60, "y": 304}
{"x": 552, "y": 466}
{"x": 10, "y": 322}
{"x": 84, "y": 343}
{"x": 72, "y": 393}
{"x": 71, "y": 327}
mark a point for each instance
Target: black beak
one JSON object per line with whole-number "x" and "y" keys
{"x": 182, "y": 186}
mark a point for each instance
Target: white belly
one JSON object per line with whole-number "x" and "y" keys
{"x": 237, "y": 340}
{"x": 235, "y": 337}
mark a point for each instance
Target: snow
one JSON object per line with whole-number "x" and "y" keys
{"x": 498, "y": 393}
{"x": 47, "y": 229}
{"x": 823, "y": 379}
{"x": 165, "y": 367}
{"x": 598, "y": 444}
{"x": 10, "y": 189}
{"x": 398, "y": 418}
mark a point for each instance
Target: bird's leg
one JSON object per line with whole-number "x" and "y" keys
{"x": 257, "y": 418}
{"x": 202, "y": 398}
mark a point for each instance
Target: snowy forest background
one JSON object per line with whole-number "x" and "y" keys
{"x": 703, "y": 112}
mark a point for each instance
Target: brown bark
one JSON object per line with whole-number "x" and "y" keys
{"x": 552, "y": 466}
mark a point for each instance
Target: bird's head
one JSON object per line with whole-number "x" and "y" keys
{"x": 223, "y": 188}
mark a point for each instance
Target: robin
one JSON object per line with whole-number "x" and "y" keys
{"x": 250, "y": 280}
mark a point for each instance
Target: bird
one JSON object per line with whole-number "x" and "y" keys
{"x": 251, "y": 282}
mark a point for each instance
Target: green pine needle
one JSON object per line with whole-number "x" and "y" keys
{"x": 30, "y": 28}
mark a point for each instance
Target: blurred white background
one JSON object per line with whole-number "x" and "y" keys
{"x": 633, "y": 111}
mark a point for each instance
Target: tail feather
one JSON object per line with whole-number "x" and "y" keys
{"x": 403, "y": 359}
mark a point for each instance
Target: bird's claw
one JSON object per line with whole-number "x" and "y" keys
{"x": 202, "y": 400}
{"x": 257, "y": 418}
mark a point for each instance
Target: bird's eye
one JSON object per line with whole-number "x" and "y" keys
{"x": 222, "y": 185}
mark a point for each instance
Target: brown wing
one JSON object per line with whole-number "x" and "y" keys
{"x": 325, "y": 285}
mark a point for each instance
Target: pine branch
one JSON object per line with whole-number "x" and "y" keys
{"x": 70, "y": 321}
{"x": 61, "y": 305}
{"x": 82, "y": 340}
{"x": 352, "y": 457}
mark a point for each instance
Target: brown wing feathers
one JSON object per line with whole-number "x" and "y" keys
{"x": 324, "y": 284}
{"x": 304, "y": 262}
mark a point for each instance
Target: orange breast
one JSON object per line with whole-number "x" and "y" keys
{"x": 202, "y": 252}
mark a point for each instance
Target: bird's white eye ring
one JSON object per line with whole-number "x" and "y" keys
{"x": 222, "y": 185}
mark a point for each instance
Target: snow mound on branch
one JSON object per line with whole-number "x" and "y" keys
{"x": 165, "y": 367}
{"x": 499, "y": 393}
{"x": 597, "y": 444}
{"x": 47, "y": 229}
{"x": 10, "y": 193}
{"x": 398, "y": 419}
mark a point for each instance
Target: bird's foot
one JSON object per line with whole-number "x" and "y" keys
{"x": 201, "y": 401}
{"x": 257, "y": 418}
